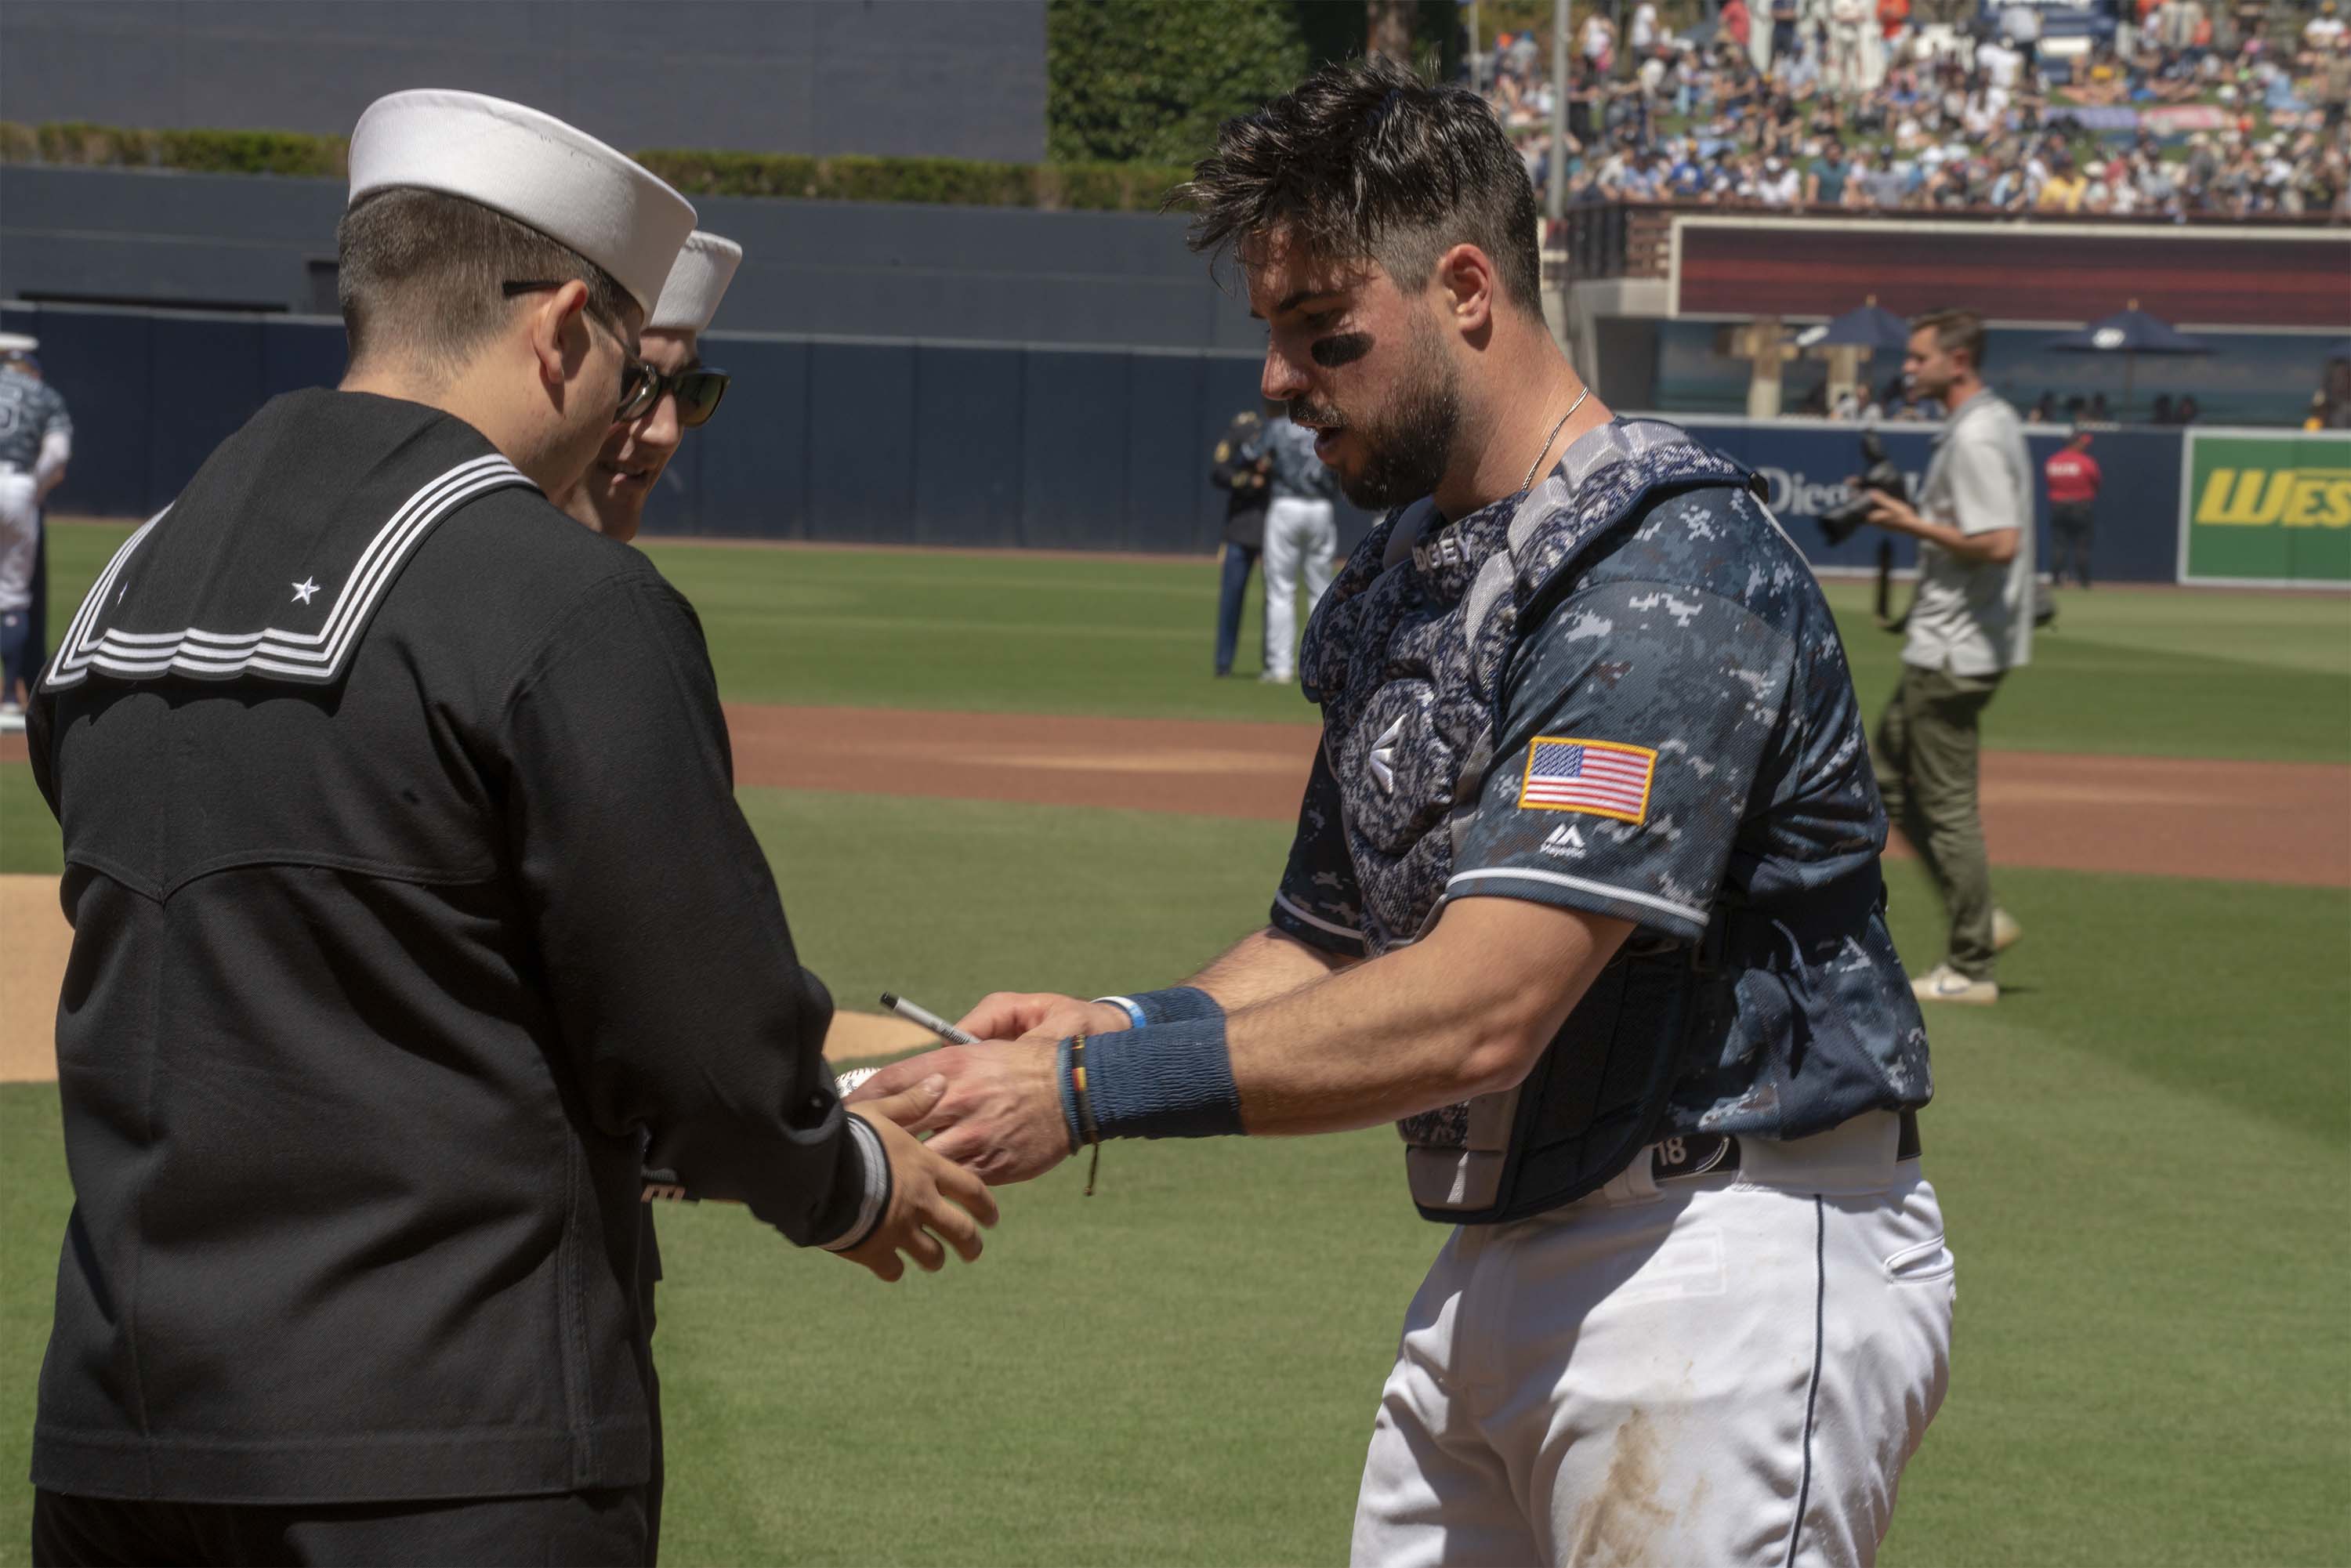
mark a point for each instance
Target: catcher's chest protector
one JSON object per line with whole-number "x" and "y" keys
{"x": 1408, "y": 654}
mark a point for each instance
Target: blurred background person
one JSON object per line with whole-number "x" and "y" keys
{"x": 35, "y": 443}
{"x": 2330, "y": 405}
{"x": 2073, "y": 478}
{"x": 1301, "y": 535}
{"x": 1243, "y": 472}
{"x": 1970, "y": 625}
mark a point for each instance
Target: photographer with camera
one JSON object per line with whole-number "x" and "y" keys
{"x": 1970, "y": 625}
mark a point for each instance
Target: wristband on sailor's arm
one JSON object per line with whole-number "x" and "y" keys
{"x": 1174, "y": 1004}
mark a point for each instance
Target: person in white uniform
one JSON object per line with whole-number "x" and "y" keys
{"x": 35, "y": 444}
{"x": 1301, "y": 538}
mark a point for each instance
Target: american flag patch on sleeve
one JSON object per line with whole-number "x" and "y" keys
{"x": 1602, "y": 777}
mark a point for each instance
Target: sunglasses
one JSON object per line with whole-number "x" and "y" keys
{"x": 640, "y": 382}
{"x": 698, "y": 391}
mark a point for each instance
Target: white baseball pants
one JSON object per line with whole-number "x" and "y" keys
{"x": 1723, "y": 1370}
{"x": 1298, "y": 533}
{"x": 20, "y": 535}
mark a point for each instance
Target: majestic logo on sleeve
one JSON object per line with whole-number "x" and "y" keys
{"x": 1565, "y": 842}
{"x": 1602, "y": 777}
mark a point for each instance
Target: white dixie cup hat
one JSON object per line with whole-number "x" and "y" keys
{"x": 698, "y": 282}
{"x": 532, "y": 167}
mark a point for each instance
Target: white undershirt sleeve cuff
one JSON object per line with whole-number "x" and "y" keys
{"x": 876, "y": 1200}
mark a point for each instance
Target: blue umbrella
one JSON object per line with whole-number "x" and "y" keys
{"x": 2130, "y": 333}
{"x": 1870, "y": 327}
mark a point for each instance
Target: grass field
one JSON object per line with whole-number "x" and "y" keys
{"x": 2144, "y": 1153}
{"x": 2205, "y": 674}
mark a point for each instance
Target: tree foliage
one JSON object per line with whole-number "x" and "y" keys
{"x": 1149, "y": 80}
{"x": 1146, "y": 81}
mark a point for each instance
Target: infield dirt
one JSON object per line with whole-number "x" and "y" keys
{"x": 2245, "y": 821}
{"x": 2241, "y": 821}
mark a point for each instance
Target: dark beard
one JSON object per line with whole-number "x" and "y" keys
{"x": 1410, "y": 443}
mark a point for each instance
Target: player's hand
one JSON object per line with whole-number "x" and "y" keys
{"x": 1015, "y": 1015}
{"x": 934, "y": 1204}
{"x": 1001, "y": 1117}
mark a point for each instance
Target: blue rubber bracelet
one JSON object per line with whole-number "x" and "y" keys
{"x": 1127, "y": 1005}
{"x": 1162, "y": 1080}
{"x": 1175, "y": 1004}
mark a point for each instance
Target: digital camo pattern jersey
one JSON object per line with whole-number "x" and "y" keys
{"x": 29, "y": 409}
{"x": 1638, "y": 606}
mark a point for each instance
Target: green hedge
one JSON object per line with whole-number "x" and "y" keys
{"x": 199, "y": 151}
{"x": 958, "y": 182}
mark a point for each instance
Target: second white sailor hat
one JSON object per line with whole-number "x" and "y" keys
{"x": 698, "y": 282}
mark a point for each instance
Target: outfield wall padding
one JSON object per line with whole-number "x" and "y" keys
{"x": 948, "y": 443}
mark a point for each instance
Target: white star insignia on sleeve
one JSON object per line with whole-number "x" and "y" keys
{"x": 304, "y": 589}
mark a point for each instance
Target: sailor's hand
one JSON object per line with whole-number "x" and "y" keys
{"x": 1016, "y": 1015}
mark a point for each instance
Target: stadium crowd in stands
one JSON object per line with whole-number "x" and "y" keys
{"x": 2185, "y": 110}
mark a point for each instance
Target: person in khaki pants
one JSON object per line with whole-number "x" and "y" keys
{"x": 1971, "y": 624}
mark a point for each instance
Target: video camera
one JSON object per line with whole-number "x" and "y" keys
{"x": 1881, "y": 475}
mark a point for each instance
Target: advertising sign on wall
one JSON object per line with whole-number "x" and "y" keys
{"x": 2259, "y": 508}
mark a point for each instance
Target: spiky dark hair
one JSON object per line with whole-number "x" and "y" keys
{"x": 1367, "y": 159}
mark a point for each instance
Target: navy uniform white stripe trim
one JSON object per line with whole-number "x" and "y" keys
{"x": 78, "y": 630}
{"x": 1580, "y": 885}
{"x": 369, "y": 567}
{"x": 297, "y": 656}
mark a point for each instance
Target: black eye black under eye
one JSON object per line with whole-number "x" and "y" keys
{"x": 1341, "y": 349}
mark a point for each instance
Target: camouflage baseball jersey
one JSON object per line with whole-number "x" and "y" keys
{"x": 1620, "y": 693}
{"x": 29, "y": 409}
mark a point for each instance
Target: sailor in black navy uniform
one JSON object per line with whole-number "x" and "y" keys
{"x": 410, "y": 907}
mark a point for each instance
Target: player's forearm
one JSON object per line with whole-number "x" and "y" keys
{"x": 1264, "y": 965}
{"x": 1391, "y": 1038}
{"x": 1466, "y": 1011}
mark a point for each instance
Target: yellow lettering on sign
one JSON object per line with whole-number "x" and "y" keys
{"x": 2320, "y": 499}
{"x": 2259, "y": 497}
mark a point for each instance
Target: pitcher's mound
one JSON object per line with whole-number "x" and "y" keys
{"x": 35, "y": 939}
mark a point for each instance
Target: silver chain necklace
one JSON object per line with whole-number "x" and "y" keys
{"x": 1528, "y": 483}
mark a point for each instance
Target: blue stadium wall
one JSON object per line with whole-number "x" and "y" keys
{"x": 912, "y": 442}
{"x": 959, "y": 78}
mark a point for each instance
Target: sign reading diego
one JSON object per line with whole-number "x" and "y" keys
{"x": 2267, "y": 508}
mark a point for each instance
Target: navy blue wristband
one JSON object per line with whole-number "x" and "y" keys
{"x": 1162, "y": 1080}
{"x": 1174, "y": 1004}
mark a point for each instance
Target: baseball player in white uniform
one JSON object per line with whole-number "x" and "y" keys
{"x": 1301, "y": 538}
{"x": 35, "y": 444}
